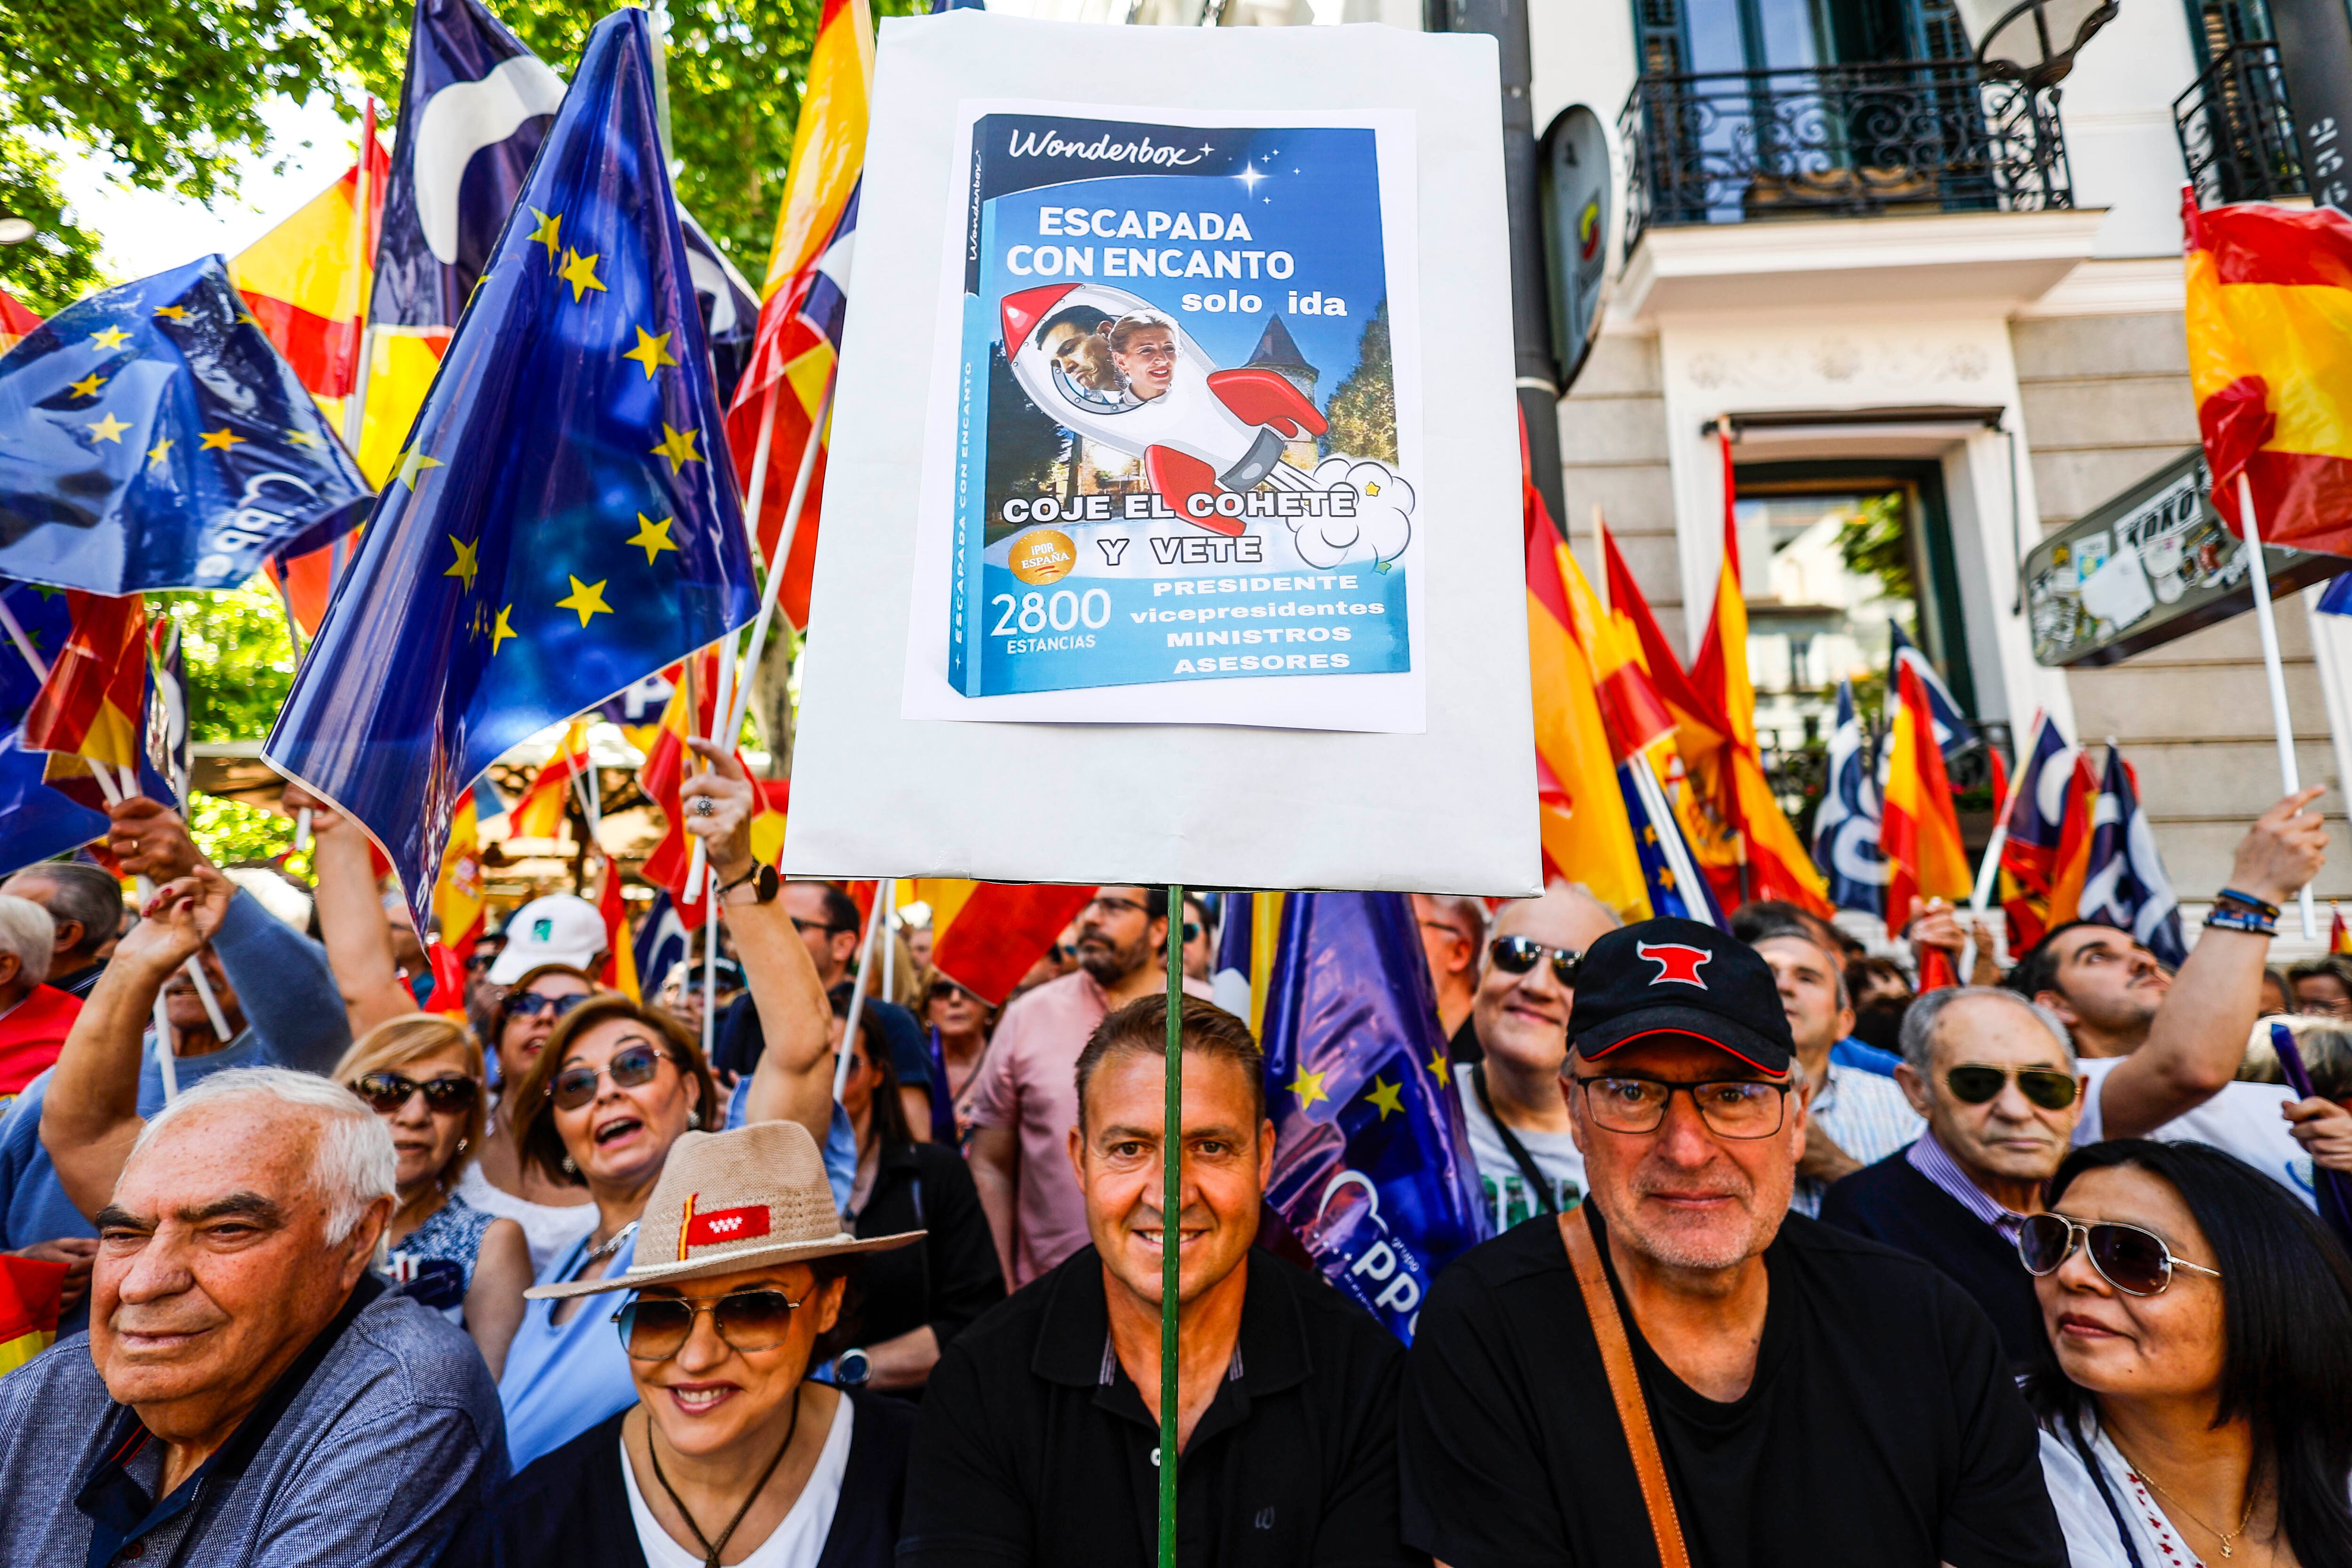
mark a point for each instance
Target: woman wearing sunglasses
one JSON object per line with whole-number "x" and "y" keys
{"x": 724, "y": 1453}
{"x": 2197, "y": 1399}
{"x": 423, "y": 1075}
{"x": 958, "y": 1023}
{"x": 500, "y": 1181}
{"x": 616, "y": 1086}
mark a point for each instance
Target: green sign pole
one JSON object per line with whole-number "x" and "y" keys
{"x": 1171, "y": 1205}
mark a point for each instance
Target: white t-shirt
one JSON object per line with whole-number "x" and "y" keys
{"x": 797, "y": 1542}
{"x": 548, "y": 1227}
{"x": 2095, "y": 1536}
{"x": 2243, "y": 1119}
{"x": 1504, "y": 1187}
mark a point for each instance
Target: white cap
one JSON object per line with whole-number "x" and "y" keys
{"x": 558, "y": 928}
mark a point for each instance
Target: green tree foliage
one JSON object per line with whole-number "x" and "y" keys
{"x": 228, "y": 831}
{"x": 60, "y": 264}
{"x": 1876, "y": 542}
{"x": 1363, "y": 411}
{"x": 240, "y": 661}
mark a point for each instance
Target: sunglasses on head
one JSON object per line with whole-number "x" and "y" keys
{"x": 1974, "y": 1083}
{"x": 2135, "y": 1261}
{"x": 631, "y": 1067}
{"x": 530, "y": 1004}
{"x": 656, "y": 1328}
{"x": 388, "y": 1091}
{"x": 1518, "y": 954}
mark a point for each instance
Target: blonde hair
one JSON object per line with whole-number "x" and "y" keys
{"x": 396, "y": 1043}
{"x": 1121, "y": 332}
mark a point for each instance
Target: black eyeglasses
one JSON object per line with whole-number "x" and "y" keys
{"x": 1973, "y": 1083}
{"x": 1733, "y": 1108}
{"x": 820, "y": 927}
{"x": 2135, "y": 1261}
{"x": 1518, "y": 954}
{"x": 388, "y": 1091}
{"x": 630, "y": 1068}
{"x": 1115, "y": 905}
{"x": 656, "y": 1328}
{"x": 530, "y": 1004}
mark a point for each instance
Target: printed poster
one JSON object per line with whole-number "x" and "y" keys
{"x": 1171, "y": 469}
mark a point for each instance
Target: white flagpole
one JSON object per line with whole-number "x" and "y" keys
{"x": 1988, "y": 868}
{"x": 752, "y": 497}
{"x": 2289, "y": 776}
{"x": 858, "y": 995}
{"x": 783, "y": 552}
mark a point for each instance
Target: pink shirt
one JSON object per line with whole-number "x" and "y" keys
{"x": 1028, "y": 1085}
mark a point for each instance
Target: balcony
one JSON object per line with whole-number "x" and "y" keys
{"x": 1852, "y": 140}
{"x": 2237, "y": 132}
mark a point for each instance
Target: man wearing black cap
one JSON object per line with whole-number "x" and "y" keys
{"x": 1681, "y": 1357}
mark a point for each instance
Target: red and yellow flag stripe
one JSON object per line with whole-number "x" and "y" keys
{"x": 1919, "y": 832}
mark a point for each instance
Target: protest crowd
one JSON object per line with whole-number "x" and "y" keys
{"x": 1713, "y": 1204}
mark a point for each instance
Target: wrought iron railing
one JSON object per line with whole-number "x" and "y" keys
{"x": 1849, "y": 141}
{"x": 2237, "y": 133}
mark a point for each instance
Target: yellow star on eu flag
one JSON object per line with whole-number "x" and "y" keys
{"x": 222, "y": 439}
{"x": 465, "y": 565}
{"x": 155, "y": 453}
{"x": 113, "y": 338}
{"x": 108, "y": 429}
{"x": 651, "y": 351}
{"x": 545, "y": 233}
{"x": 413, "y": 463}
{"x": 1385, "y": 1095}
{"x": 303, "y": 437}
{"x": 174, "y": 312}
{"x": 678, "y": 446}
{"x": 588, "y": 598}
{"x": 1439, "y": 1068}
{"x": 88, "y": 385}
{"x": 502, "y": 631}
{"x": 654, "y": 536}
{"x": 580, "y": 271}
{"x": 1309, "y": 1088}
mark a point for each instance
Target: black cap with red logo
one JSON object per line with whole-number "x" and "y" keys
{"x": 1679, "y": 978}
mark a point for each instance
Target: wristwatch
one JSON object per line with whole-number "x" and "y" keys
{"x": 762, "y": 883}
{"x": 852, "y": 1367}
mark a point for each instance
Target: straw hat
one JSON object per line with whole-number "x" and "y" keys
{"x": 729, "y": 1201}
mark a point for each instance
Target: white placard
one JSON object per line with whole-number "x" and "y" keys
{"x": 1420, "y": 776}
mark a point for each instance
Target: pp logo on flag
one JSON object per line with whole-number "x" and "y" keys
{"x": 1678, "y": 963}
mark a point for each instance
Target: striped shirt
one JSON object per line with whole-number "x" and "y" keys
{"x": 1863, "y": 1114}
{"x": 1933, "y": 1161}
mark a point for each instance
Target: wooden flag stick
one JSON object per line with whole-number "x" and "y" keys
{"x": 2290, "y": 776}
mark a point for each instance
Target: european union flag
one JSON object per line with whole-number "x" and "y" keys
{"x": 152, "y": 438}
{"x": 1659, "y": 844}
{"x": 1371, "y": 1167}
{"x": 563, "y": 522}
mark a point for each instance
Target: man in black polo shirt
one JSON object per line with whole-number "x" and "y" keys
{"x": 1039, "y": 1436}
{"x": 1816, "y": 1398}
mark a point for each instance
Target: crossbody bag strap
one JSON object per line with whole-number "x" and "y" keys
{"x": 1546, "y": 1197}
{"x": 1624, "y": 1386}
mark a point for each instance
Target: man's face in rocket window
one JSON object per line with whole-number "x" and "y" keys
{"x": 1148, "y": 361}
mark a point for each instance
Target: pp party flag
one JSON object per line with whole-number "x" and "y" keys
{"x": 997, "y": 932}
{"x": 31, "y": 1289}
{"x": 2126, "y": 885}
{"x": 1954, "y": 733}
{"x": 474, "y": 109}
{"x": 803, "y": 298}
{"x": 157, "y": 440}
{"x": 16, "y": 322}
{"x": 1919, "y": 834}
{"x": 2028, "y": 850}
{"x": 1371, "y": 1166}
{"x": 731, "y": 306}
{"x": 1581, "y": 819}
{"x": 662, "y": 943}
{"x": 540, "y": 812}
{"x": 560, "y": 527}
{"x": 307, "y": 280}
{"x": 2269, "y": 363}
{"x": 1846, "y": 824}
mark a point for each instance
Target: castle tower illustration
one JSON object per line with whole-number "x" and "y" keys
{"x": 1276, "y": 350}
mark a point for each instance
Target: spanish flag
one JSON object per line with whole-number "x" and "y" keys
{"x": 30, "y": 1291}
{"x": 798, "y": 340}
{"x": 307, "y": 280}
{"x": 2070, "y": 869}
{"x": 458, "y": 900}
{"x": 620, "y": 972}
{"x": 986, "y": 935}
{"x": 94, "y": 704}
{"x": 1919, "y": 832}
{"x": 2270, "y": 362}
{"x": 16, "y": 322}
{"x": 2339, "y": 938}
{"x": 540, "y": 813}
{"x": 669, "y": 761}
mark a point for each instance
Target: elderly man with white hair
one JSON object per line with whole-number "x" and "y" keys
{"x": 249, "y": 1392}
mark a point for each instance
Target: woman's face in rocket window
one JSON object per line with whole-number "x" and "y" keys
{"x": 1148, "y": 362}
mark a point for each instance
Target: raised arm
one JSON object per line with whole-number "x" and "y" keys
{"x": 2199, "y": 1035}
{"x": 794, "y": 1079}
{"x": 89, "y": 1118}
{"x": 351, "y": 916}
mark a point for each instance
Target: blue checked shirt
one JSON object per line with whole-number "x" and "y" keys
{"x": 1863, "y": 1114}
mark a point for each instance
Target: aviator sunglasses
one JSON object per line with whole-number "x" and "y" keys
{"x": 530, "y": 1004}
{"x": 631, "y": 1067}
{"x": 2135, "y": 1261}
{"x": 1973, "y": 1083}
{"x": 1518, "y": 954}
{"x": 656, "y": 1328}
{"x": 388, "y": 1091}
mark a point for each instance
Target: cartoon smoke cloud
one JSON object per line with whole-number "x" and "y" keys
{"x": 1382, "y": 526}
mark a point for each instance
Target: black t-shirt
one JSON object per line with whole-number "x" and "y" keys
{"x": 1881, "y": 1428}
